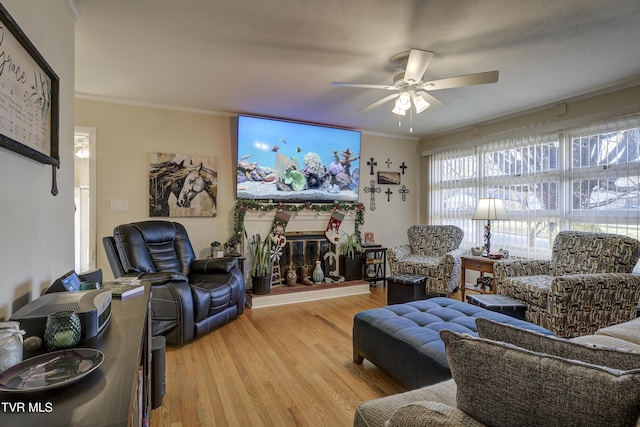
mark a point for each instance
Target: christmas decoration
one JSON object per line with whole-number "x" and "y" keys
{"x": 243, "y": 206}
{"x": 332, "y": 231}
{"x": 277, "y": 228}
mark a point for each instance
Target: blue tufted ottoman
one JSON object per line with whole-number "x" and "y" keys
{"x": 404, "y": 339}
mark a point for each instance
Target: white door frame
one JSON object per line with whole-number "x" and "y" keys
{"x": 91, "y": 133}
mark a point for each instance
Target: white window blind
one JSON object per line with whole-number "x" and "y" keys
{"x": 605, "y": 176}
{"x": 586, "y": 178}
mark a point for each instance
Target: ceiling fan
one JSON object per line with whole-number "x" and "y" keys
{"x": 409, "y": 86}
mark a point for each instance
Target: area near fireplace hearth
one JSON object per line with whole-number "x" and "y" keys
{"x": 306, "y": 243}
{"x": 301, "y": 293}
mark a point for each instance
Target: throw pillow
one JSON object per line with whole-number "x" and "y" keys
{"x": 431, "y": 414}
{"x": 628, "y": 331}
{"x": 597, "y": 355}
{"x": 502, "y": 385}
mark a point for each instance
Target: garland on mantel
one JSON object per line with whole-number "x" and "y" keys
{"x": 242, "y": 206}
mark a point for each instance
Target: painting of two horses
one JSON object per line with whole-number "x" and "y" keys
{"x": 182, "y": 185}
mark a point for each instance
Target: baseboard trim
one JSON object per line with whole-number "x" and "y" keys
{"x": 300, "y": 293}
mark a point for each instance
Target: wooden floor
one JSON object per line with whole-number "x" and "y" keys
{"x": 279, "y": 366}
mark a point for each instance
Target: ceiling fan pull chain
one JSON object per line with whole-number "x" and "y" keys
{"x": 411, "y": 121}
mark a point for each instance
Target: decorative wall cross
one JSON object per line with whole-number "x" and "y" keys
{"x": 373, "y": 190}
{"x": 372, "y": 163}
{"x": 388, "y": 162}
{"x": 404, "y": 190}
{"x": 403, "y": 167}
{"x": 389, "y": 193}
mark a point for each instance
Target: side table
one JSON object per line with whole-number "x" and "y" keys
{"x": 374, "y": 263}
{"x": 476, "y": 263}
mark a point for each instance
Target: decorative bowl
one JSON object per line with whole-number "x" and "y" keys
{"x": 476, "y": 251}
{"x": 495, "y": 256}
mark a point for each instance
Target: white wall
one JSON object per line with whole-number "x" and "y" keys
{"x": 126, "y": 134}
{"x": 390, "y": 220}
{"x": 36, "y": 227}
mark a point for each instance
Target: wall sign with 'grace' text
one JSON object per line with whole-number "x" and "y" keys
{"x": 29, "y": 107}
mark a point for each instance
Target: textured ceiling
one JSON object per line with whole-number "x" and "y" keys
{"x": 277, "y": 57}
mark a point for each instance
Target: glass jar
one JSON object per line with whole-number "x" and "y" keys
{"x": 62, "y": 330}
{"x": 10, "y": 344}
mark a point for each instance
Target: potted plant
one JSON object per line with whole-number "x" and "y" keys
{"x": 351, "y": 256}
{"x": 261, "y": 265}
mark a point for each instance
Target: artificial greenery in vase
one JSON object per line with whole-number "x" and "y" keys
{"x": 261, "y": 261}
{"x": 350, "y": 245}
{"x": 261, "y": 265}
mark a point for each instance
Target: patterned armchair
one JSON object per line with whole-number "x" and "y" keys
{"x": 433, "y": 251}
{"x": 586, "y": 285}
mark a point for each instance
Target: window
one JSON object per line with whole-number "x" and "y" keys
{"x": 586, "y": 178}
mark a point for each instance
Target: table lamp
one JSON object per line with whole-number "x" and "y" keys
{"x": 489, "y": 209}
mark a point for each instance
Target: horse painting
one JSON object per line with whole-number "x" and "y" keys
{"x": 182, "y": 186}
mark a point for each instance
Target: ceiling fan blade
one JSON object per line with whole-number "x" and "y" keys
{"x": 378, "y": 103}
{"x": 436, "y": 104}
{"x": 363, "y": 86}
{"x": 417, "y": 64}
{"x": 467, "y": 80}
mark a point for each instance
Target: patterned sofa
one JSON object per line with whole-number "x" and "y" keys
{"x": 433, "y": 251}
{"x": 540, "y": 380}
{"x": 587, "y": 284}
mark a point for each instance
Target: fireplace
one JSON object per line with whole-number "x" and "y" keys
{"x": 305, "y": 249}
{"x": 306, "y": 242}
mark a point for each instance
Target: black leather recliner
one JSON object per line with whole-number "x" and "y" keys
{"x": 190, "y": 297}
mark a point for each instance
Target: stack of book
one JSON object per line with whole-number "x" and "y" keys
{"x": 124, "y": 286}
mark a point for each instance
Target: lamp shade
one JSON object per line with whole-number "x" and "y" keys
{"x": 404, "y": 101}
{"x": 398, "y": 111}
{"x": 419, "y": 102}
{"x": 490, "y": 209}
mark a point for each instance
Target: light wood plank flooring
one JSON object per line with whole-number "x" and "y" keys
{"x": 279, "y": 366}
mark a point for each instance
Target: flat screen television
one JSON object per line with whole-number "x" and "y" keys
{"x": 296, "y": 162}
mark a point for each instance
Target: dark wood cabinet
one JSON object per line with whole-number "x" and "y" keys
{"x": 116, "y": 394}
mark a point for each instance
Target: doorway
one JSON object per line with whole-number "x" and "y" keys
{"x": 84, "y": 197}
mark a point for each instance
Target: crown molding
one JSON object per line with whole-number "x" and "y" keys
{"x": 73, "y": 8}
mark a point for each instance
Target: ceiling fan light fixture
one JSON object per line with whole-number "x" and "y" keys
{"x": 404, "y": 101}
{"x": 410, "y": 88}
{"x": 398, "y": 111}
{"x": 420, "y": 103}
